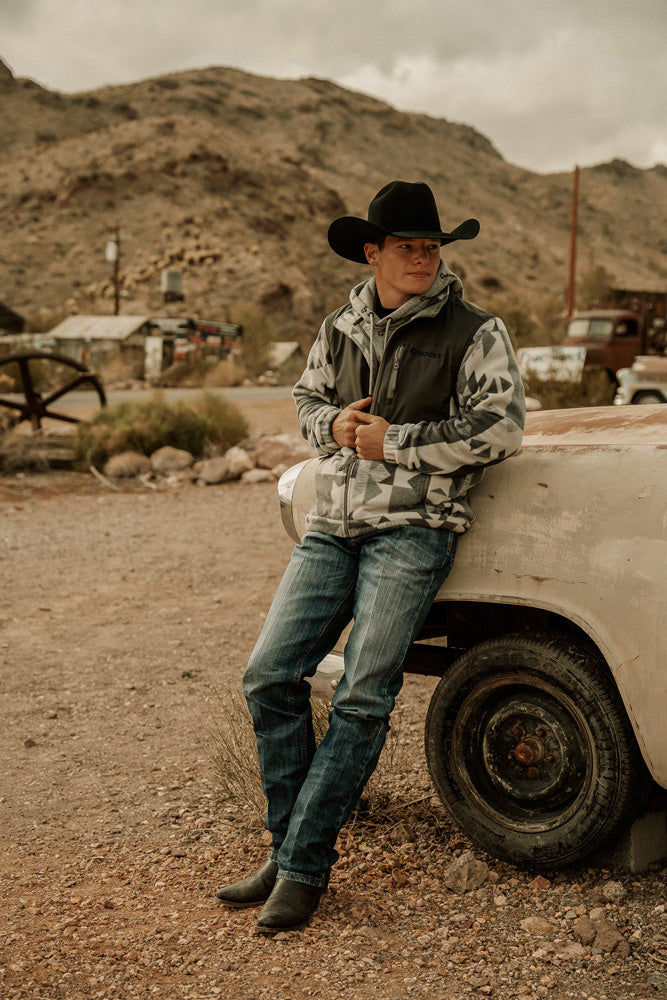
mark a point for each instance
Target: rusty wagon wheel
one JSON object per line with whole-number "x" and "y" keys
{"x": 37, "y": 405}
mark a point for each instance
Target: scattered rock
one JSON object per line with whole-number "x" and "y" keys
{"x": 238, "y": 461}
{"x": 168, "y": 459}
{"x": 609, "y": 939}
{"x": 400, "y": 834}
{"x": 585, "y": 930}
{"x": 466, "y": 873}
{"x": 213, "y": 471}
{"x": 614, "y": 892}
{"x": 258, "y": 476}
{"x": 282, "y": 449}
{"x": 567, "y": 949}
{"x": 537, "y": 926}
{"x": 601, "y": 935}
{"x": 126, "y": 465}
{"x": 539, "y": 882}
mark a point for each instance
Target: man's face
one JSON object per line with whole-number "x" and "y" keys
{"x": 403, "y": 267}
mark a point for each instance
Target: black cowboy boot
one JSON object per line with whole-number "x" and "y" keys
{"x": 253, "y": 890}
{"x": 289, "y": 907}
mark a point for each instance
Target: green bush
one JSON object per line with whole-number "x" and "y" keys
{"x": 594, "y": 389}
{"x": 208, "y": 425}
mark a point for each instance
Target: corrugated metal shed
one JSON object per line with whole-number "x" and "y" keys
{"x": 99, "y": 327}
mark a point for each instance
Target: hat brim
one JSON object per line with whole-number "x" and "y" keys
{"x": 348, "y": 235}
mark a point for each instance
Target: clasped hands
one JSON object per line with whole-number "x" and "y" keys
{"x": 354, "y": 428}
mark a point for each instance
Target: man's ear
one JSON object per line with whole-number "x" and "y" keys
{"x": 371, "y": 251}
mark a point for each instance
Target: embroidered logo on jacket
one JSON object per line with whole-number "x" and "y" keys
{"x": 416, "y": 353}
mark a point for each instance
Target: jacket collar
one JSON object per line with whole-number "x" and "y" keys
{"x": 359, "y": 319}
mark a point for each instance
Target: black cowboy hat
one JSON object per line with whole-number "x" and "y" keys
{"x": 398, "y": 209}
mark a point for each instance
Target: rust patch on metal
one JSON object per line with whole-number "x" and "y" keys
{"x": 609, "y": 424}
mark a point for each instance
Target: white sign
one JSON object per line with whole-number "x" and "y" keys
{"x": 552, "y": 364}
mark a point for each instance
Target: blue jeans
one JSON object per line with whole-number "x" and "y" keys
{"x": 386, "y": 582}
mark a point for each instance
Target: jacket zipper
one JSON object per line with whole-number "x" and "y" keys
{"x": 353, "y": 460}
{"x": 391, "y": 391}
{"x": 347, "y": 467}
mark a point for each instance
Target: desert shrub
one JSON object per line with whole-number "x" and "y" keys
{"x": 550, "y": 322}
{"x": 516, "y": 317}
{"x": 258, "y": 335}
{"x": 231, "y": 747}
{"x": 230, "y": 744}
{"x": 594, "y": 287}
{"x": 44, "y": 319}
{"x": 225, "y": 373}
{"x": 594, "y": 389}
{"x": 116, "y": 369}
{"x": 17, "y": 453}
{"x": 208, "y": 425}
{"x": 188, "y": 373}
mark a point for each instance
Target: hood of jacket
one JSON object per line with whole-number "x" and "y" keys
{"x": 359, "y": 319}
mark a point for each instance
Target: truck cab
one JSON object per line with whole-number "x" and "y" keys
{"x": 629, "y": 323}
{"x": 612, "y": 337}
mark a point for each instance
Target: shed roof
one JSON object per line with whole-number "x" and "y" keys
{"x": 98, "y": 327}
{"x": 280, "y": 351}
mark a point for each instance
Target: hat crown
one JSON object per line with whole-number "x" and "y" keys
{"x": 402, "y": 207}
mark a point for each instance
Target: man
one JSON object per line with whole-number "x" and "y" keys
{"x": 409, "y": 392}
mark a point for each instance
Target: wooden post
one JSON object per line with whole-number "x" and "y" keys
{"x": 116, "y": 273}
{"x": 572, "y": 280}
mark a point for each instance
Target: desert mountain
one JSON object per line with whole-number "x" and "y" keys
{"x": 233, "y": 178}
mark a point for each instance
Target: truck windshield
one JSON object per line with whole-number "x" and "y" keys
{"x": 590, "y": 329}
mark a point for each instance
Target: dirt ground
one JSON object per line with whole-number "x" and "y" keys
{"x": 124, "y": 617}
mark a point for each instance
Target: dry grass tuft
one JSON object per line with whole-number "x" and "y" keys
{"x": 230, "y": 744}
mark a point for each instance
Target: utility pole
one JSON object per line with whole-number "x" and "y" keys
{"x": 571, "y": 286}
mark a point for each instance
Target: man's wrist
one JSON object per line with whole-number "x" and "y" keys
{"x": 390, "y": 443}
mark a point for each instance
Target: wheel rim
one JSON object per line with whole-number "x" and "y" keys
{"x": 518, "y": 748}
{"x": 37, "y": 406}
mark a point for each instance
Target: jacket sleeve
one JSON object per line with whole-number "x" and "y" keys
{"x": 487, "y": 418}
{"x": 315, "y": 397}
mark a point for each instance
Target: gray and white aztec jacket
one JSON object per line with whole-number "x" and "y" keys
{"x": 443, "y": 373}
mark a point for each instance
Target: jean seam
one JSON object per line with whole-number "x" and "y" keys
{"x": 325, "y": 625}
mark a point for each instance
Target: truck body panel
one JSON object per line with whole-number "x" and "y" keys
{"x": 645, "y": 381}
{"x": 574, "y": 528}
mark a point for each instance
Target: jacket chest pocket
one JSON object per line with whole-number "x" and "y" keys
{"x": 417, "y": 385}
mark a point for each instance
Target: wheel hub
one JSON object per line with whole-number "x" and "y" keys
{"x": 532, "y": 752}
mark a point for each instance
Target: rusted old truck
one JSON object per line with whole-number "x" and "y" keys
{"x": 546, "y": 734}
{"x": 632, "y": 323}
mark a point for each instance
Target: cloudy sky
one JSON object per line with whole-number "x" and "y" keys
{"x": 552, "y": 83}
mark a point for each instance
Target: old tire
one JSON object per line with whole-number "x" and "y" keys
{"x": 648, "y": 397}
{"x": 531, "y": 752}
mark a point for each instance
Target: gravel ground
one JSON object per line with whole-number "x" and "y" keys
{"x": 125, "y": 619}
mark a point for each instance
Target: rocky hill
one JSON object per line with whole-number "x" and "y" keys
{"x": 233, "y": 178}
